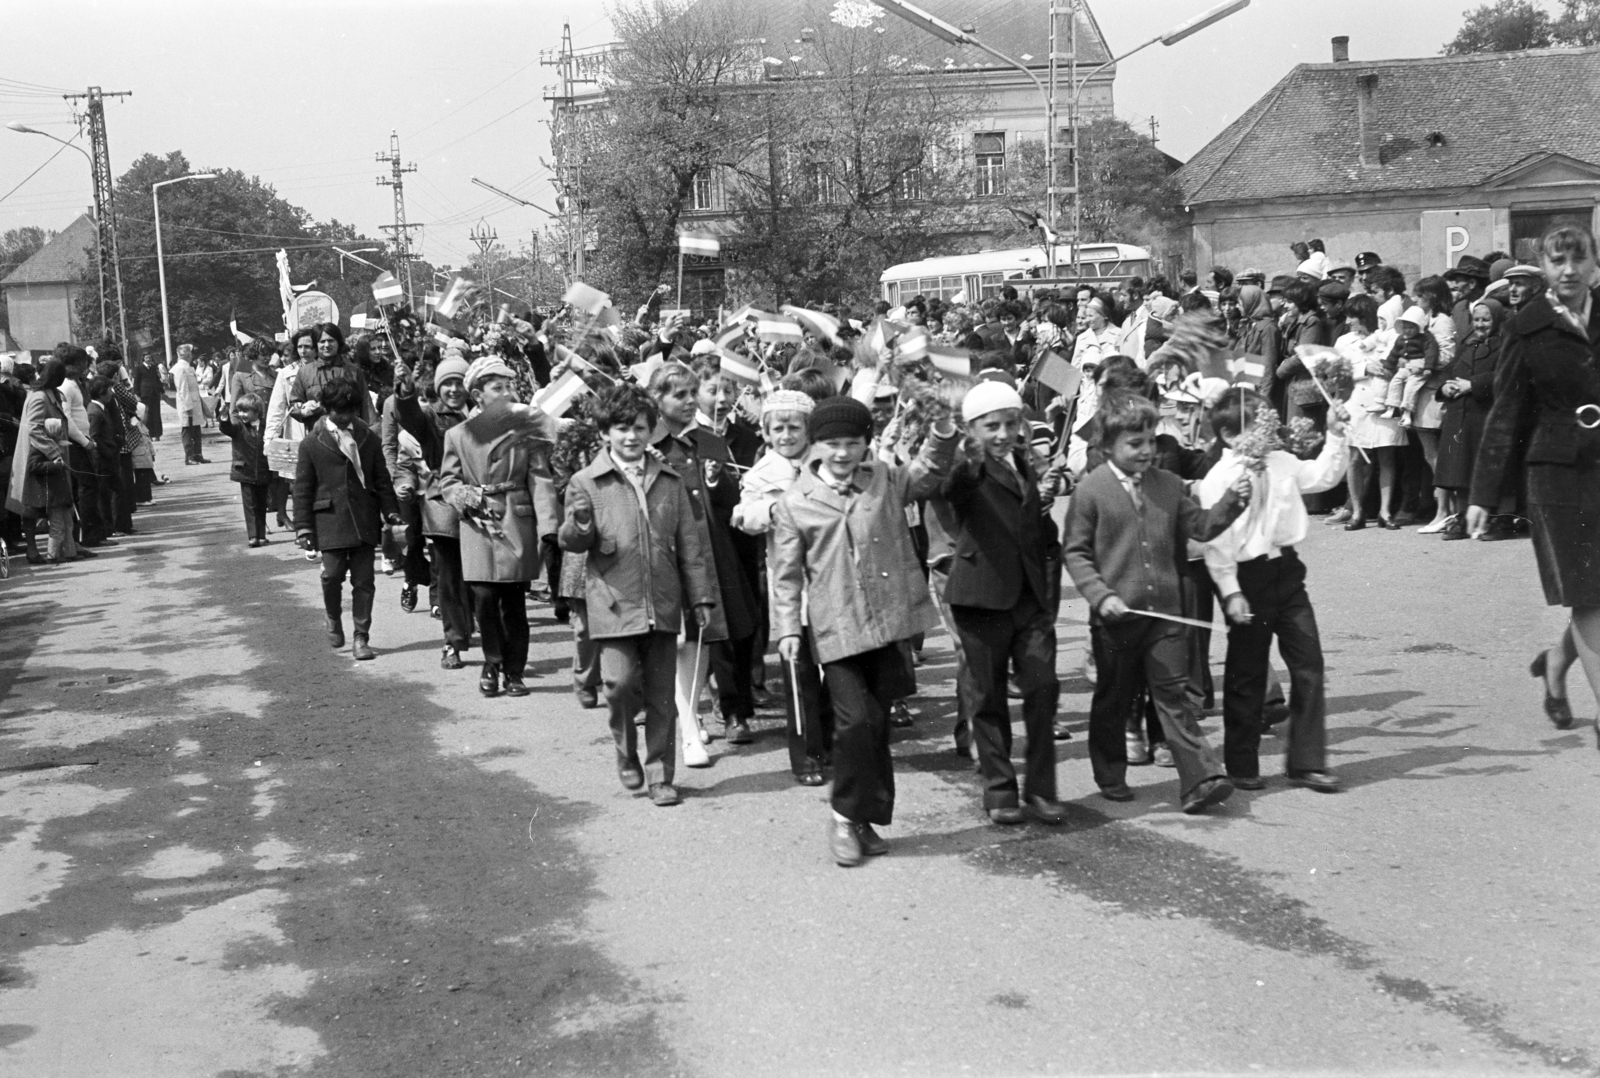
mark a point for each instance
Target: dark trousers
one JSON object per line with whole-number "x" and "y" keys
{"x": 863, "y": 686}
{"x": 502, "y": 613}
{"x": 254, "y": 497}
{"x": 730, "y": 665}
{"x": 1276, "y": 592}
{"x": 127, "y": 489}
{"x": 639, "y": 673}
{"x": 811, "y": 733}
{"x": 991, "y": 640}
{"x": 938, "y": 581}
{"x": 1154, "y": 654}
{"x": 278, "y": 492}
{"x": 416, "y": 560}
{"x": 191, "y": 442}
{"x": 586, "y": 650}
{"x": 357, "y": 562}
{"x": 86, "y": 495}
{"x": 144, "y": 485}
{"x": 450, "y": 593}
{"x": 1199, "y": 602}
{"x": 110, "y": 484}
{"x": 152, "y": 416}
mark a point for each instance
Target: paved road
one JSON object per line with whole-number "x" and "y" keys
{"x": 226, "y": 849}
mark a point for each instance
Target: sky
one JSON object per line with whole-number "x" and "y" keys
{"x": 304, "y": 93}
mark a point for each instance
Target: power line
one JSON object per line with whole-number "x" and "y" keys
{"x": 486, "y": 126}
{"x": 480, "y": 97}
{"x": 36, "y": 171}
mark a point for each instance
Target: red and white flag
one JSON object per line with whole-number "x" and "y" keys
{"x": 590, "y": 301}
{"x": 1247, "y": 370}
{"x": 821, "y": 325}
{"x": 431, "y": 301}
{"x": 388, "y": 290}
{"x": 455, "y": 295}
{"x": 951, "y": 360}
{"x": 358, "y": 319}
{"x": 776, "y": 328}
{"x": 739, "y": 368}
{"x": 699, "y": 243}
{"x": 555, "y": 398}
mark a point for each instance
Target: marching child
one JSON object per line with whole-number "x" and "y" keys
{"x": 785, "y": 415}
{"x": 1004, "y": 591}
{"x": 842, "y": 528}
{"x": 646, "y": 560}
{"x": 1263, "y": 585}
{"x": 1125, "y": 543}
{"x": 342, "y": 496}
{"x": 246, "y": 429}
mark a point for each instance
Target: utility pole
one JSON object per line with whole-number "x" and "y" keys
{"x": 401, "y": 230}
{"x": 484, "y": 237}
{"x": 1154, "y": 127}
{"x": 569, "y": 173}
{"x": 105, "y": 205}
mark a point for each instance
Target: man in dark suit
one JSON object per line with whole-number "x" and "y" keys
{"x": 342, "y": 496}
{"x": 1004, "y": 592}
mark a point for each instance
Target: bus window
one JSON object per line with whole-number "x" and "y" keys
{"x": 891, "y": 292}
{"x": 991, "y": 283}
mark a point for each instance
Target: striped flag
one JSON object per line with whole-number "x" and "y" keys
{"x": 431, "y": 301}
{"x": 699, "y": 243}
{"x": 555, "y": 398}
{"x": 590, "y": 301}
{"x": 911, "y": 346}
{"x": 455, "y": 296}
{"x": 387, "y": 290}
{"x": 951, "y": 360}
{"x": 730, "y": 336}
{"x": 242, "y": 338}
{"x": 773, "y": 327}
{"x": 1247, "y": 370}
{"x": 358, "y": 319}
{"x": 739, "y": 368}
{"x": 821, "y": 325}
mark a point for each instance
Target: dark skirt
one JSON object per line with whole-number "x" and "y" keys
{"x": 1459, "y": 436}
{"x": 1566, "y": 541}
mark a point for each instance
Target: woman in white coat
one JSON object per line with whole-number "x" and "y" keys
{"x": 191, "y": 408}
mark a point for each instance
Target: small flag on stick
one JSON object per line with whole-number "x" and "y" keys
{"x": 773, "y": 327}
{"x": 590, "y": 301}
{"x": 242, "y": 338}
{"x": 699, "y": 243}
{"x": 1247, "y": 370}
{"x": 555, "y": 398}
{"x": 358, "y": 319}
{"x": 431, "y": 300}
{"x": 739, "y": 368}
{"x": 951, "y": 360}
{"x": 821, "y": 325}
{"x": 388, "y": 290}
{"x": 455, "y": 296}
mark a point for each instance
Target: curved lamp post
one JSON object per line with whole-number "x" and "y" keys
{"x": 161, "y": 270}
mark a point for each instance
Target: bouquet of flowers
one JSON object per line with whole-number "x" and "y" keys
{"x": 1259, "y": 439}
{"x": 1301, "y": 437}
{"x": 1331, "y": 370}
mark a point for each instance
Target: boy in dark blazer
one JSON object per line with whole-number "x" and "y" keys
{"x": 342, "y": 496}
{"x": 1004, "y": 591}
{"x": 1126, "y": 535}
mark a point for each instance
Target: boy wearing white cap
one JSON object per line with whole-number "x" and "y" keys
{"x": 1004, "y": 591}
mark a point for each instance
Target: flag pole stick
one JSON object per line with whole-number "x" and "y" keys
{"x": 680, "y": 275}
{"x": 794, "y": 683}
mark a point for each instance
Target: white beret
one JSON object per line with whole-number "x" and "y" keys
{"x": 986, "y": 397}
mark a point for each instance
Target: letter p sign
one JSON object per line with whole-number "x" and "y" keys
{"x": 1456, "y": 240}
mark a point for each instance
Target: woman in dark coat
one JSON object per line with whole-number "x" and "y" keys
{"x": 1300, "y": 393}
{"x": 1467, "y": 393}
{"x": 1545, "y": 422}
{"x": 1260, "y": 335}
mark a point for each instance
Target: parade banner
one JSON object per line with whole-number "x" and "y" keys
{"x": 699, "y": 243}
{"x": 312, "y": 308}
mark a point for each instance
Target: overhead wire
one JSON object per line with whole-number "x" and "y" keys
{"x": 38, "y": 170}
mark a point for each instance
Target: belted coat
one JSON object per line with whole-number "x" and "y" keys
{"x": 495, "y": 473}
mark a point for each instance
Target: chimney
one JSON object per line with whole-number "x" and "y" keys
{"x": 1367, "y": 118}
{"x": 1341, "y": 49}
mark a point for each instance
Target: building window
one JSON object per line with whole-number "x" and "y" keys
{"x": 1528, "y": 228}
{"x": 822, "y": 187}
{"x": 910, "y": 188}
{"x": 707, "y": 194}
{"x": 990, "y": 151}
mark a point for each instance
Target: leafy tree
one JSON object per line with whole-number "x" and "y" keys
{"x": 16, "y": 247}
{"x": 1579, "y": 23}
{"x": 220, "y": 238}
{"x": 1503, "y": 26}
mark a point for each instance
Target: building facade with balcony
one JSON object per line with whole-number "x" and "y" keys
{"x": 1010, "y": 110}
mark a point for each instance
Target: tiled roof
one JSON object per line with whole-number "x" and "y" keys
{"x": 1018, "y": 28}
{"x": 60, "y": 260}
{"x": 1493, "y": 110}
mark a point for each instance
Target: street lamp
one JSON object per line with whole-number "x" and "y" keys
{"x": 343, "y": 254}
{"x": 161, "y": 270}
{"x": 1169, "y": 37}
{"x": 954, "y": 35}
{"x": 116, "y": 264}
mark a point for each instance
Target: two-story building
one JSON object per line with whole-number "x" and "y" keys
{"x": 42, "y": 293}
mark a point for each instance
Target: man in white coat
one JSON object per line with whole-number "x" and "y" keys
{"x": 191, "y": 410}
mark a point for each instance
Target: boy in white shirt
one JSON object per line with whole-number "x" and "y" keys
{"x": 1263, "y": 584}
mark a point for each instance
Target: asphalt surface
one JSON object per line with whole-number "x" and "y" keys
{"x": 226, "y": 849}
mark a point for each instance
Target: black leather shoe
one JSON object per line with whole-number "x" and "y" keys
{"x": 1119, "y": 792}
{"x": 1209, "y": 792}
{"x": 663, "y": 794}
{"x": 872, "y": 843}
{"x": 489, "y": 680}
{"x": 515, "y": 685}
{"x": 1060, "y": 732}
{"x": 1045, "y": 810}
{"x": 1556, "y": 708}
{"x": 588, "y": 699}
{"x": 335, "y": 633}
{"x": 1324, "y": 782}
{"x": 1005, "y": 814}
{"x": 737, "y": 732}
{"x": 450, "y": 659}
{"x": 408, "y": 598}
{"x": 845, "y": 843}
{"x": 85, "y": 555}
{"x": 631, "y": 775}
{"x": 900, "y": 715}
{"x": 810, "y": 778}
{"x": 361, "y": 649}
{"x": 1254, "y": 782}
